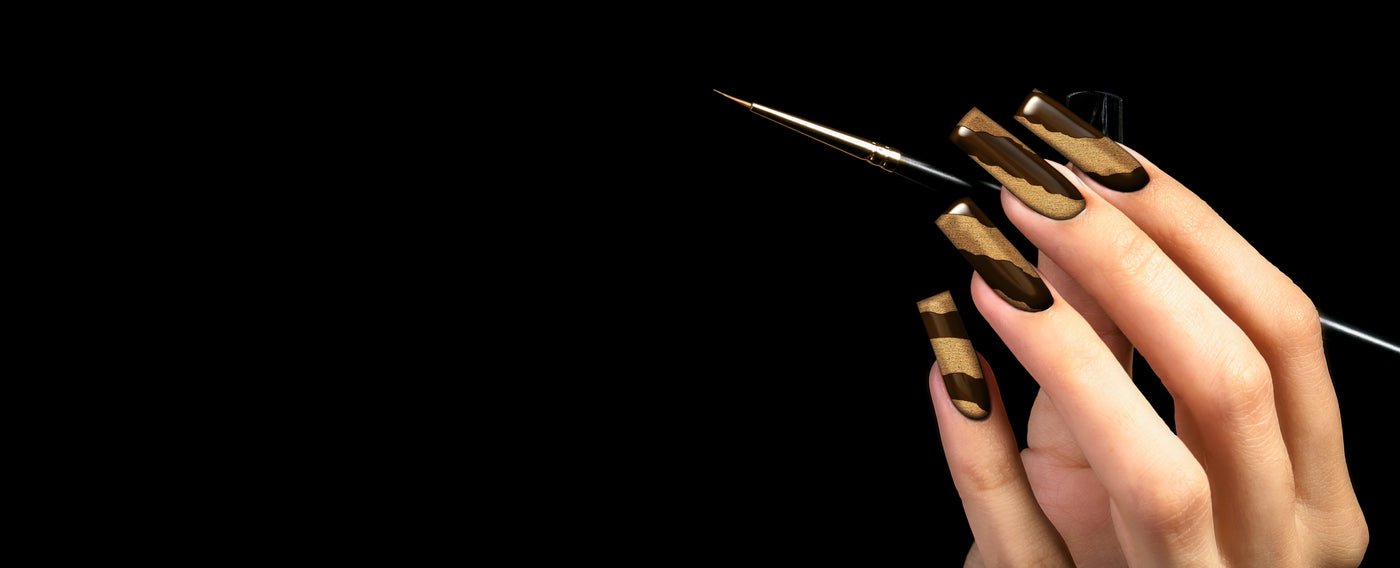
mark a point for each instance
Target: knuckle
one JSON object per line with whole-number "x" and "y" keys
{"x": 1188, "y": 228}
{"x": 1357, "y": 545}
{"x": 1174, "y": 501}
{"x": 1047, "y": 557}
{"x": 988, "y": 476}
{"x": 1353, "y": 549}
{"x": 1297, "y": 325}
{"x": 1245, "y": 386}
{"x": 1346, "y": 545}
{"x": 1137, "y": 257}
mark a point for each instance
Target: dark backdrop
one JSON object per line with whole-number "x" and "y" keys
{"x": 782, "y": 406}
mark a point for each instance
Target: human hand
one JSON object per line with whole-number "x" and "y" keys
{"x": 1255, "y": 473}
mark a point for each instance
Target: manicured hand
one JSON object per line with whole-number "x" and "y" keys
{"x": 1254, "y": 474}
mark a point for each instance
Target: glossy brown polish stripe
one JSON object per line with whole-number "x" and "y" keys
{"x": 1023, "y": 172}
{"x": 944, "y": 325}
{"x": 957, "y": 361}
{"x": 994, "y": 257}
{"x": 1098, "y": 156}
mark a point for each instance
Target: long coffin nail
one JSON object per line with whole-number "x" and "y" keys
{"x": 994, "y": 257}
{"x": 1093, "y": 153}
{"x": 962, "y": 372}
{"x": 1029, "y": 178}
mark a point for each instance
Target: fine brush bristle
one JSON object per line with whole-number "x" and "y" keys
{"x": 742, "y": 102}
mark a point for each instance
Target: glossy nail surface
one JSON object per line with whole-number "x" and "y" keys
{"x": 1102, "y": 159}
{"x": 1024, "y": 173}
{"x": 994, "y": 257}
{"x": 962, "y": 372}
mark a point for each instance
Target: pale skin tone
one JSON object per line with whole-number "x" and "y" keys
{"x": 1255, "y": 473}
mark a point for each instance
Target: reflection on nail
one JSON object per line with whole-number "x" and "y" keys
{"x": 1102, "y": 159}
{"x": 1025, "y": 174}
{"x": 994, "y": 257}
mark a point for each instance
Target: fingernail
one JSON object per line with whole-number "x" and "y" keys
{"x": 1024, "y": 173}
{"x": 1102, "y": 159}
{"x": 962, "y": 372}
{"x": 994, "y": 257}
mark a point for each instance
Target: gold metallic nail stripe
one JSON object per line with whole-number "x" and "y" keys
{"x": 937, "y": 304}
{"x": 971, "y": 236}
{"x": 957, "y": 361}
{"x": 968, "y": 408}
{"x": 955, "y": 355}
{"x": 1102, "y": 159}
{"x": 1017, "y": 167}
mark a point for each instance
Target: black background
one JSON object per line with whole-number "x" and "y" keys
{"x": 779, "y": 400}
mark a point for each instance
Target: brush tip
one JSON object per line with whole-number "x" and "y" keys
{"x": 742, "y": 102}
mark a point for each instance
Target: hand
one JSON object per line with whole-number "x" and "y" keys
{"x": 1255, "y": 473}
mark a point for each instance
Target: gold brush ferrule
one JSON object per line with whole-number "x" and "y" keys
{"x": 885, "y": 157}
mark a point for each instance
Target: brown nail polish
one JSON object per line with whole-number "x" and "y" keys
{"x": 1024, "y": 173}
{"x": 1102, "y": 159}
{"x": 962, "y": 372}
{"x": 994, "y": 257}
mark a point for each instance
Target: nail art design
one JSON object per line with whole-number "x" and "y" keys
{"x": 1024, "y": 173}
{"x": 994, "y": 257}
{"x": 1088, "y": 149}
{"x": 962, "y": 372}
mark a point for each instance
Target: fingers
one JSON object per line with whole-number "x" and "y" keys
{"x": 1203, "y": 358}
{"x": 1089, "y": 308}
{"x": 980, "y": 446}
{"x": 1274, "y": 413}
{"x": 1220, "y": 381}
{"x": 1279, "y": 319}
{"x": 1146, "y": 470}
{"x": 1150, "y": 476}
{"x": 1234, "y": 340}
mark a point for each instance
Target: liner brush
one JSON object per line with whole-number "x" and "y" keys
{"x": 880, "y": 155}
{"x": 1105, "y": 111}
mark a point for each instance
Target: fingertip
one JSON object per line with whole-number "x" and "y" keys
{"x": 985, "y": 463}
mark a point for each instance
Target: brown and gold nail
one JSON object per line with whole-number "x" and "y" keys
{"x": 962, "y": 372}
{"x": 1099, "y": 157}
{"x": 994, "y": 257}
{"x": 1025, "y": 174}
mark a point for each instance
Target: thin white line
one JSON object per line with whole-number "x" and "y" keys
{"x": 1359, "y": 334}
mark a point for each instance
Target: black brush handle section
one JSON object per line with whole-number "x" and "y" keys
{"x": 931, "y": 177}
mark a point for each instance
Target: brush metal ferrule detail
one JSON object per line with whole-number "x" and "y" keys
{"x": 885, "y": 157}
{"x": 880, "y": 155}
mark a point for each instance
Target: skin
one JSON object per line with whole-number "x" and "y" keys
{"x": 1255, "y": 474}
